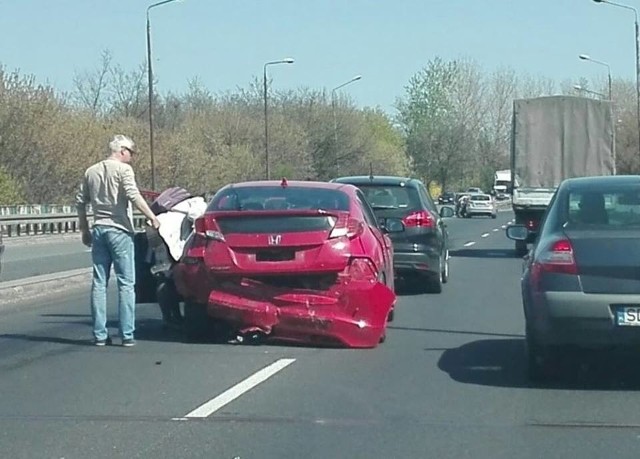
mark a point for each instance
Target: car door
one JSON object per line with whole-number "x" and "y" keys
{"x": 443, "y": 242}
{"x": 384, "y": 241}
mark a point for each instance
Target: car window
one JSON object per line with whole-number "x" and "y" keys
{"x": 481, "y": 197}
{"x": 427, "y": 199}
{"x": 617, "y": 208}
{"x": 279, "y": 198}
{"x": 369, "y": 216}
{"x": 391, "y": 197}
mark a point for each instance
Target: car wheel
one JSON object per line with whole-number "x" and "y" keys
{"x": 197, "y": 323}
{"x": 494, "y": 216}
{"x": 445, "y": 269}
{"x": 435, "y": 282}
{"x": 391, "y": 315}
{"x": 521, "y": 249}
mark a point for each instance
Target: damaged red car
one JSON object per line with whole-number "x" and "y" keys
{"x": 303, "y": 262}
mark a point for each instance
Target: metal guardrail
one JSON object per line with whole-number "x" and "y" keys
{"x": 31, "y": 225}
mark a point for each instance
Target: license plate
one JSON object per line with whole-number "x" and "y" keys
{"x": 628, "y": 316}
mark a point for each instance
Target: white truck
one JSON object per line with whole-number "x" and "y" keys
{"x": 502, "y": 183}
{"x": 552, "y": 139}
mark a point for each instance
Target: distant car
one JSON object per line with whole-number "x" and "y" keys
{"x": 447, "y": 198}
{"x": 474, "y": 190}
{"x": 304, "y": 262}
{"x": 421, "y": 251}
{"x": 480, "y": 204}
{"x": 580, "y": 284}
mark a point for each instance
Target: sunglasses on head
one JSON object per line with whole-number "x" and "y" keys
{"x": 131, "y": 152}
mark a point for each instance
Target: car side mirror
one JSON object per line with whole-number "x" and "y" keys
{"x": 446, "y": 212}
{"x": 518, "y": 232}
{"x": 392, "y": 225}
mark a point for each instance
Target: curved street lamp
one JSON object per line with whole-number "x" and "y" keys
{"x": 150, "y": 84}
{"x": 586, "y": 57}
{"x": 287, "y": 60}
{"x": 333, "y": 109}
{"x": 637, "y": 31}
{"x": 577, "y": 87}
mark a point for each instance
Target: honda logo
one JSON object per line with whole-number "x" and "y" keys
{"x": 275, "y": 239}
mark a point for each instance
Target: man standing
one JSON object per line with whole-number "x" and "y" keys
{"x": 110, "y": 187}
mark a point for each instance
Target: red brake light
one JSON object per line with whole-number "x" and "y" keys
{"x": 347, "y": 226}
{"x": 363, "y": 269}
{"x": 559, "y": 258}
{"x": 421, "y": 218}
{"x": 208, "y": 227}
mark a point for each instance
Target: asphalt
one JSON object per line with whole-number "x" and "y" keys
{"x": 448, "y": 382}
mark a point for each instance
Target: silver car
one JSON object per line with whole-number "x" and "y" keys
{"x": 581, "y": 280}
{"x": 481, "y": 204}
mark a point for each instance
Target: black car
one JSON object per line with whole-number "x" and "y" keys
{"x": 447, "y": 198}
{"x": 422, "y": 249}
{"x": 581, "y": 282}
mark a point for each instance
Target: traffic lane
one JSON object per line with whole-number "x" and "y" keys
{"x": 465, "y": 231}
{"x": 423, "y": 393}
{"x": 43, "y": 255}
{"x": 53, "y": 381}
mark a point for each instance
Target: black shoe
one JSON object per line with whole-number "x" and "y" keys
{"x": 103, "y": 342}
{"x": 130, "y": 342}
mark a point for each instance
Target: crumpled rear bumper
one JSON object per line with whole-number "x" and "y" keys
{"x": 351, "y": 313}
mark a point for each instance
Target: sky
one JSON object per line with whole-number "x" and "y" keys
{"x": 225, "y": 43}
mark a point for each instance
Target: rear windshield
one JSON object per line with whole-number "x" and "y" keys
{"x": 279, "y": 198}
{"x": 391, "y": 197}
{"x": 613, "y": 208}
{"x": 481, "y": 198}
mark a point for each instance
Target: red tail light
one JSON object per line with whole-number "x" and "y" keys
{"x": 208, "y": 227}
{"x": 347, "y": 226}
{"x": 363, "y": 269}
{"x": 421, "y": 219}
{"x": 558, "y": 258}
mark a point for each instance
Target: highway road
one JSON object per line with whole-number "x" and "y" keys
{"x": 449, "y": 382}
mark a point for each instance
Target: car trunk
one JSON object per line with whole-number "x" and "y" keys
{"x": 277, "y": 242}
{"x": 608, "y": 261}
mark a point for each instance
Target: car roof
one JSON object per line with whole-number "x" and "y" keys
{"x": 378, "y": 180}
{"x": 475, "y": 195}
{"x": 344, "y": 187}
{"x": 603, "y": 180}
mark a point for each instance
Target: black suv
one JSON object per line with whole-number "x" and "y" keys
{"x": 422, "y": 249}
{"x": 447, "y": 198}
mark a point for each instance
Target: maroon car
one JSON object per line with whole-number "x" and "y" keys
{"x": 303, "y": 262}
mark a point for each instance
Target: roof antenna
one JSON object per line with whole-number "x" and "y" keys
{"x": 371, "y": 171}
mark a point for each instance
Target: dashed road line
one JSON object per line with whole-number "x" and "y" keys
{"x": 495, "y": 230}
{"x": 236, "y": 391}
{"x": 469, "y": 244}
{"x": 485, "y": 235}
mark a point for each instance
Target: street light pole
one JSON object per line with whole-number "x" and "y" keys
{"x": 586, "y": 57}
{"x": 335, "y": 119}
{"x": 577, "y": 87}
{"x": 150, "y": 87}
{"x": 266, "y": 117}
{"x": 637, "y": 32}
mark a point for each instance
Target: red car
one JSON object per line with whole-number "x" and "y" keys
{"x": 303, "y": 262}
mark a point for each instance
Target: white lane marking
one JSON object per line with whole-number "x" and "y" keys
{"x": 495, "y": 230}
{"x": 504, "y": 227}
{"x": 485, "y": 235}
{"x": 469, "y": 244}
{"x": 236, "y": 391}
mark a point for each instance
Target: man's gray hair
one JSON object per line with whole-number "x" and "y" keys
{"x": 119, "y": 142}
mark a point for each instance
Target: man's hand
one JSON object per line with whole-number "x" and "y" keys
{"x": 155, "y": 223}
{"x": 87, "y": 239}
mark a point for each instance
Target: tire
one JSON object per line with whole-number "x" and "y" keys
{"x": 494, "y": 216}
{"x": 445, "y": 269}
{"x": 521, "y": 249}
{"x": 391, "y": 315}
{"x": 435, "y": 282}
{"x": 197, "y": 324}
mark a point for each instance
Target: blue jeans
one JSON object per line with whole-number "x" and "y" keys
{"x": 113, "y": 246}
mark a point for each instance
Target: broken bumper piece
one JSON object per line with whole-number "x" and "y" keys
{"x": 352, "y": 316}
